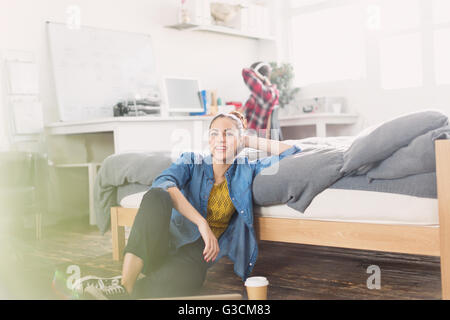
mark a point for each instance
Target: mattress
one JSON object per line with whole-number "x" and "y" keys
{"x": 342, "y": 205}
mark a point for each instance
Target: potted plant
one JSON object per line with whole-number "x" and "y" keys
{"x": 283, "y": 75}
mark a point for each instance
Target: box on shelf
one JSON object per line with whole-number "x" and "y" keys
{"x": 252, "y": 19}
{"x": 199, "y": 11}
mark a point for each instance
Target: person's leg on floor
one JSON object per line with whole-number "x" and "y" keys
{"x": 146, "y": 249}
{"x": 131, "y": 269}
{"x": 148, "y": 242}
{"x": 182, "y": 274}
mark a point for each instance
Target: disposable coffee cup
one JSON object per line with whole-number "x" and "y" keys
{"x": 257, "y": 288}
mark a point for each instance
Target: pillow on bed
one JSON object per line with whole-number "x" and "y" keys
{"x": 299, "y": 178}
{"x": 416, "y": 158}
{"x": 379, "y": 142}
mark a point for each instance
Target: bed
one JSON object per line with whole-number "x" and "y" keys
{"x": 415, "y": 221}
{"x": 430, "y": 236}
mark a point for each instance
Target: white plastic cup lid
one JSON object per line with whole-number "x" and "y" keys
{"x": 256, "y": 282}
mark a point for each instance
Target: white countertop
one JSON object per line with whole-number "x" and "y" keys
{"x": 110, "y": 124}
{"x": 129, "y": 119}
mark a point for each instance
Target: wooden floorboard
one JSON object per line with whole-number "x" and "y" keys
{"x": 294, "y": 271}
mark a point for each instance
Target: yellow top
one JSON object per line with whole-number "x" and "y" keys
{"x": 220, "y": 208}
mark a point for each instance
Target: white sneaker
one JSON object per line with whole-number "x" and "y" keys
{"x": 80, "y": 285}
{"x": 112, "y": 292}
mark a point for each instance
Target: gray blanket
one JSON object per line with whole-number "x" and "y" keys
{"x": 123, "y": 169}
{"x": 301, "y": 177}
{"x": 298, "y": 180}
{"x": 404, "y": 143}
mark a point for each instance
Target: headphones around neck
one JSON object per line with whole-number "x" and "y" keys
{"x": 259, "y": 66}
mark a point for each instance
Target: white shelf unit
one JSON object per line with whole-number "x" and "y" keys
{"x": 319, "y": 120}
{"x": 220, "y": 29}
{"x": 92, "y": 169}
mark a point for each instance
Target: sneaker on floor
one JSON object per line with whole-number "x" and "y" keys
{"x": 79, "y": 286}
{"x": 113, "y": 292}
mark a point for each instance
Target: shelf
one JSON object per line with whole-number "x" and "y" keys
{"x": 220, "y": 29}
{"x": 319, "y": 115}
{"x": 182, "y": 26}
{"x": 319, "y": 120}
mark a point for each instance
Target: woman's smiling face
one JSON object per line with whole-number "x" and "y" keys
{"x": 224, "y": 140}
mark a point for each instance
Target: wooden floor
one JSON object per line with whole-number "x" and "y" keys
{"x": 294, "y": 271}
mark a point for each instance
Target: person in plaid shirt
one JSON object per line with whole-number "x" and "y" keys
{"x": 263, "y": 98}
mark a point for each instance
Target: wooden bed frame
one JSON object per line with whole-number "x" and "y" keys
{"x": 422, "y": 240}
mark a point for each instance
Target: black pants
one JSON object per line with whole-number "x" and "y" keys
{"x": 168, "y": 273}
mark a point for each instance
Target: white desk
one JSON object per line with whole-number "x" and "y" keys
{"x": 147, "y": 133}
{"x": 136, "y": 134}
{"x": 320, "y": 120}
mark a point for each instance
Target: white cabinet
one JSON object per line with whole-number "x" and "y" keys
{"x": 319, "y": 120}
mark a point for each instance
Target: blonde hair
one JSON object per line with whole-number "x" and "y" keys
{"x": 236, "y": 116}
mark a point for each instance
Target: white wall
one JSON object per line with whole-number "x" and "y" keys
{"x": 4, "y": 141}
{"x": 214, "y": 58}
{"x": 366, "y": 96}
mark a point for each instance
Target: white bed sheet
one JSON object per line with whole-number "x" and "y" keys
{"x": 349, "y": 206}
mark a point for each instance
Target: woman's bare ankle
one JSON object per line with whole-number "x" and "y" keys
{"x": 127, "y": 286}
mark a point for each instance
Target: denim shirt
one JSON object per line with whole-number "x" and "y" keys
{"x": 193, "y": 174}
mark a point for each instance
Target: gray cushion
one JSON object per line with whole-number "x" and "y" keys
{"x": 416, "y": 158}
{"x": 299, "y": 178}
{"x": 379, "y": 142}
{"x": 120, "y": 169}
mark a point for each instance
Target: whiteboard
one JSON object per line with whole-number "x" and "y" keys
{"x": 96, "y": 68}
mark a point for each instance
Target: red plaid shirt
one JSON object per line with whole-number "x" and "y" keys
{"x": 263, "y": 99}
